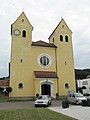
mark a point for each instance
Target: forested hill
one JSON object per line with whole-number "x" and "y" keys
{"x": 81, "y": 74}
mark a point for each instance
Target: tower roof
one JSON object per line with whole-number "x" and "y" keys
{"x": 23, "y": 14}
{"x": 57, "y": 27}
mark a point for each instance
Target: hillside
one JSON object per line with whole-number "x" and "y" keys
{"x": 81, "y": 74}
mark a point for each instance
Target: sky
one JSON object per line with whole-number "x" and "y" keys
{"x": 44, "y": 15}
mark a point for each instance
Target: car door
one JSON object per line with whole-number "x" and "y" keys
{"x": 73, "y": 98}
{"x": 70, "y": 98}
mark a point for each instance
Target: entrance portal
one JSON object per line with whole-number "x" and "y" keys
{"x": 46, "y": 89}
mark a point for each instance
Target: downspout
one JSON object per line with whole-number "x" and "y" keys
{"x": 56, "y": 69}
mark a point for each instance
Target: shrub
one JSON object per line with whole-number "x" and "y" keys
{"x": 1, "y": 89}
{"x": 9, "y": 89}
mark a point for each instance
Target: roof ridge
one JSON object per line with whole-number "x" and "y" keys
{"x": 43, "y": 44}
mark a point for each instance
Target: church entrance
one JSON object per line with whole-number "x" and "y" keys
{"x": 46, "y": 89}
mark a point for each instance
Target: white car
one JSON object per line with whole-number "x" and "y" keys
{"x": 87, "y": 95}
{"x": 43, "y": 100}
{"x": 76, "y": 98}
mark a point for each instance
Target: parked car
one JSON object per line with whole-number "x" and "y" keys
{"x": 76, "y": 98}
{"x": 87, "y": 95}
{"x": 43, "y": 100}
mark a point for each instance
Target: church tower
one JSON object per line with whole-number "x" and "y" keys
{"x": 21, "y": 30}
{"x": 21, "y": 33}
{"x": 62, "y": 38}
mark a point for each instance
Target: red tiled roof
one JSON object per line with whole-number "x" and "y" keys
{"x": 45, "y": 74}
{"x": 43, "y": 44}
{"x": 4, "y": 82}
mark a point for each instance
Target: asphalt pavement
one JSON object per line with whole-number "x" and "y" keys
{"x": 25, "y": 104}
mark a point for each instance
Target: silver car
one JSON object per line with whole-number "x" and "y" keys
{"x": 76, "y": 98}
{"x": 43, "y": 100}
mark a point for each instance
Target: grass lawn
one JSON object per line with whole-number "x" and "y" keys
{"x": 32, "y": 114}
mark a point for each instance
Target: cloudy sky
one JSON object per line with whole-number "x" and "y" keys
{"x": 44, "y": 15}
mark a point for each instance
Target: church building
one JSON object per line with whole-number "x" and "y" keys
{"x": 41, "y": 68}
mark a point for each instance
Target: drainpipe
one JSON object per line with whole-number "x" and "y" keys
{"x": 56, "y": 69}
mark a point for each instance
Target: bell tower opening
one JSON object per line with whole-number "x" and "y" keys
{"x": 24, "y": 33}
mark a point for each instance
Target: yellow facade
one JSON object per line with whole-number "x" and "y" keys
{"x": 53, "y": 61}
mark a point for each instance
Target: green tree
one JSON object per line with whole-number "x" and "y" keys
{"x": 9, "y": 89}
{"x": 1, "y": 89}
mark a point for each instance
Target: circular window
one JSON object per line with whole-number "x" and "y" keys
{"x": 44, "y": 60}
{"x": 20, "y": 85}
{"x": 66, "y": 85}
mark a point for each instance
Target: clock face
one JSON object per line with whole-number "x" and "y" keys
{"x": 16, "y": 32}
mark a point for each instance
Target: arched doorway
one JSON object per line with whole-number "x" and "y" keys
{"x": 46, "y": 89}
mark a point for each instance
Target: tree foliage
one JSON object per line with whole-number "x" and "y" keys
{"x": 81, "y": 74}
{"x": 8, "y": 89}
{"x": 1, "y": 89}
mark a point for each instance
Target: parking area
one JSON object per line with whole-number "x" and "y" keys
{"x": 26, "y": 104}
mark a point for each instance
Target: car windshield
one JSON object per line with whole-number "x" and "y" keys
{"x": 79, "y": 95}
{"x": 40, "y": 97}
{"x": 43, "y": 97}
{"x": 86, "y": 94}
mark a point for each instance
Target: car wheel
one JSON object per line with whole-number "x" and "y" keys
{"x": 50, "y": 103}
{"x": 35, "y": 106}
{"x": 47, "y": 104}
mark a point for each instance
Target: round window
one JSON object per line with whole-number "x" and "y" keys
{"x": 44, "y": 60}
{"x": 66, "y": 85}
{"x": 20, "y": 85}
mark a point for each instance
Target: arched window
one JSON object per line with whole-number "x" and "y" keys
{"x": 24, "y": 33}
{"x": 61, "y": 38}
{"x": 53, "y": 39}
{"x": 23, "y": 20}
{"x": 66, "y": 38}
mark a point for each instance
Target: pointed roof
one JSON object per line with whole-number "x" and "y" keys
{"x": 43, "y": 44}
{"x": 25, "y": 17}
{"x": 57, "y": 27}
